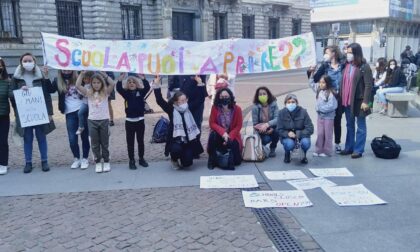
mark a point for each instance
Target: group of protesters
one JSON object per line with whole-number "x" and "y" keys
{"x": 341, "y": 86}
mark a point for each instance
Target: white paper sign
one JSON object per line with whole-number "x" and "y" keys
{"x": 285, "y": 175}
{"x": 31, "y": 107}
{"x": 354, "y": 195}
{"x": 310, "y": 183}
{"x": 261, "y": 199}
{"x": 228, "y": 181}
{"x": 331, "y": 172}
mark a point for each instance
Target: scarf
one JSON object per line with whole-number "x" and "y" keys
{"x": 347, "y": 84}
{"x": 179, "y": 131}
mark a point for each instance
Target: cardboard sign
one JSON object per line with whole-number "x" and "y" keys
{"x": 262, "y": 199}
{"x": 331, "y": 172}
{"x": 285, "y": 175}
{"x": 228, "y": 181}
{"x": 310, "y": 183}
{"x": 31, "y": 107}
{"x": 354, "y": 195}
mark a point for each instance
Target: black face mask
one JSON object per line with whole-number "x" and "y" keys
{"x": 225, "y": 101}
{"x": 67, "y": 76}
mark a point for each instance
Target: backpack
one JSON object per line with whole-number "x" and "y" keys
{"x": 160, "y": 131}
{"x": 385, "y": 147}
{"x": 253, "y": 150}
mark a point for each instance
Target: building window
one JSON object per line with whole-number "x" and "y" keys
{"x": 220, "y": 26}
{"x": 321, "y": 30}
{"x": 9, "y": 19}
{"x": 296, "y": 26}
{"x": 69, "y": 18}
{"x": 273, "y": 28}
{"x": 416, "y": 31}
{"x": 344, "y": 28}
{"x": 131, "y": 19}
{"x": 364, "y": 27}
{"x": 248, "y": 26}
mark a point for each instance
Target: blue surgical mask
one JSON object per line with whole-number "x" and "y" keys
{"x": 291, "y": 106}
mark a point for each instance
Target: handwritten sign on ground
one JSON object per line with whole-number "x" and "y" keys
{"x": 285, "y": 175}
{"x": 310, "y": 183}
{"x": 331, "y": 172}
{"x": 176, "y": 57}
{"x": 354, "y": 195}
{"x": 262, "y": 199}
{"x": 228, "y": 181}
{"x": 31, "y": 107}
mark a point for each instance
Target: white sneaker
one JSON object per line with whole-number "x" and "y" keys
{"x": 323, "y": 155}
{"x": 315, "y": 154}
{"x": 79, "y": 131}
{"x": 3, "y": 170}
{"x": 98, "y": 167}
{"x": 76, "y": 163}
{"x": 107, "y": 167}
{"x": 337, "y": 148}
{"x": 84, "y": 164}
{"x": 175, "y": 165}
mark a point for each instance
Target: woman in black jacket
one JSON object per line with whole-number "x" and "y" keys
{"x": 4, "y": 117}
{"x": 395, "y": 82}
{"x": 182, "y": 141}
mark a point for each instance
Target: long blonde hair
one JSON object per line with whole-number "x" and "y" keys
{"x": 102, "y": 91}
{"x": 62, "y": 86}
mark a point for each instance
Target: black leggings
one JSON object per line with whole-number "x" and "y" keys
{"x": 135, "y": 130}
{"x": 182, "y": 151}
{"x": 4, "y": 146}
{"x": 216, "y": 143}
{"x": 337, "y": 122}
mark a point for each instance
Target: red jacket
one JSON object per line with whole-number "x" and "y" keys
{"x": 235, "y": 127}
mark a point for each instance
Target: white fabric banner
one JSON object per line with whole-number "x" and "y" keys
{"x": 262, "y": 199}
{"x": 31, "y": 107}
{"x": 228, "y": 181}
{"x": 354, "y": 195}
{"x": 310, "y": 183}
{"x": 176, "y": 57}
{"x": 285, "y": 175}
{"x": 331, "y": 172}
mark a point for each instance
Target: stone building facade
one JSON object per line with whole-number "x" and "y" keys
{"x": 199, "y": 20}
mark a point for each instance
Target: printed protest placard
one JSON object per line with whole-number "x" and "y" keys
{"x": 228, "y": 181}
{"x": 310, "y": 183}
{"x": 285, "y": 175}
{"x": 31, "y": 107}
{"x": 262, "y": 199}
{"x": 354, "y": 195}
{"x": 176, "y": 57}
{"x": 331, "y": 172}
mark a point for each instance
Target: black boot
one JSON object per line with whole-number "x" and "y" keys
{"x": 143, "y": 162}
{"x": 304, "y": 159}
{"x": 132, "y": 165}
{"x": 28, "y": 168}
{"x": 287, "y": 157}
{"x": 45, "y": 167}
{"x": 210, "y": 162}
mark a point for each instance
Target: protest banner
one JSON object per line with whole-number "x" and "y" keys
{"x": 331, "y": 172}
{"x": 262, "y": 199}
{"x": 228, "y": 181}
{"x": 176, "y": 57}
{"x": 31, "y": 107}
{"x": 354, "y": 195}
{"x": 284, "y": 175}
{"x": 310, "y": 183}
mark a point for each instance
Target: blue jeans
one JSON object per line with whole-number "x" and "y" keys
{"x": 355, "y": 145}
{"x": 273, "y": 138}
{"x": 28, "y": 139}
{"x": 381, "y": 93}
{"x": 83, "y": 115}
{"x": 72, "y": 123}
{"x": 289, "y": 144}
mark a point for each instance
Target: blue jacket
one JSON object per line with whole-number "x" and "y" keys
{"x": 134, "y": 99}
{"x": 273, "y": 113}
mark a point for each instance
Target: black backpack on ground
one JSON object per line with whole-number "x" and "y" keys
{"x": 160, "y": 131}
{"x": 385, "y": 147}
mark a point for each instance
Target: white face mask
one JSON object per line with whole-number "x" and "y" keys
{"x": 350, "y": 57}
{"x": 29, "y": 66}
{"x": 182, "y": 108}
{"x": 392, "y": 67}
{"x": 377, "y": 64}
{"x": 327, "y": 57}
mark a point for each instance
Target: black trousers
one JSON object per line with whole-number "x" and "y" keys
{"x": 135, "y": 130}
{"x": 337, "y": 121}
{"x": 183, "y": 152}
{"x": 216, "y": 143}
{"x": 4, "y": 146}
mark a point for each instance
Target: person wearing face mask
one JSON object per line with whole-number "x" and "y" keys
{"x": 333, "y": 66}
{"x": 264, "y": 118}
{"x": 4, "y": 117}
{"x": 395, "y": 82}
{"x": 70, "y": 102}
{"x": 28, "y": 75}
{"x": 133, "y": 89}
{"x": 355, "y": 94}
{"x": 182, "y": 142}
{"x": 225, "y": 124}
{"x": 294, "y": 124}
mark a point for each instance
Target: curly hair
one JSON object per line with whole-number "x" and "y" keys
{"x": 218, "y": 102}
{"x": 270, "y": 96}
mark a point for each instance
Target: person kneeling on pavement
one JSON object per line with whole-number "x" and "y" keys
{"x": 264, "y": 118}
{"x": 293, "y": 125}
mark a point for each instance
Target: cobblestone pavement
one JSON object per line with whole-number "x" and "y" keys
{"x": 160, "y": 219}
{"x": 59, "y": 153}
